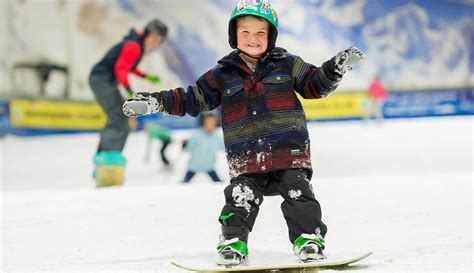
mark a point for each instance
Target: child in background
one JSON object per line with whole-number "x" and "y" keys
{"x": 265, "y": 133}
{"x": 161, "y": 134}
{"x": 203, "y": 147}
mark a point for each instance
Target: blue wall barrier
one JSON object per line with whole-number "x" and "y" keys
{"x": 438, "y": 102}
{"x": 4, "y": 118}
{"x": 172, "y": 122}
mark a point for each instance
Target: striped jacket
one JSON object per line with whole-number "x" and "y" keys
{"x": 263, "y": 121}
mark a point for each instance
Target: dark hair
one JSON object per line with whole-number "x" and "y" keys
{"x": 206, "y": 115}
{"x": 156, "y": 26}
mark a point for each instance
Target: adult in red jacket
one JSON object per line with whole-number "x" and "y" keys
{"x": 113, "y": 69}
{"x": 376, "y": 96}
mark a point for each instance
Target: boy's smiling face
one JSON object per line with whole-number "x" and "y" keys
{"x": 252, "y": 35}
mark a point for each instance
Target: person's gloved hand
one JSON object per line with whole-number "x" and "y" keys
{"x": 154, "y": 79}
{"x": 144, "y": 103}
{"x": 344, "y": 60}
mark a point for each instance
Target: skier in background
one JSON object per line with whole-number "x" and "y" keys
{"x": 377, "y": 95}
{"x": 203, "y": 147}
{"x": 106, "y": 76}
{"x": 155, "y": 131}
{"x": 266, "y": 138}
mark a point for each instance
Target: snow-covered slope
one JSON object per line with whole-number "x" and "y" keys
{"x": 402, "y": 190}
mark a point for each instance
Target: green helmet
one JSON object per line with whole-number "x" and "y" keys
{"x": 259, "y": 8}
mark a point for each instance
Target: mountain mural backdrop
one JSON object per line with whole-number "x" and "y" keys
{"x": 410, "y": 44}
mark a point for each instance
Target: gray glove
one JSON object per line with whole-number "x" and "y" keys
{"x": 344, "y": 60}
{"x": 143, "y": 103}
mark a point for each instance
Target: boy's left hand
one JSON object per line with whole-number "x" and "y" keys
{"x": 345, "y": 59}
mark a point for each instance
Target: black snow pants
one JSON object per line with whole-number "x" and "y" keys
{"x": 245, "y": 193}
{"x": 114, "y": 135}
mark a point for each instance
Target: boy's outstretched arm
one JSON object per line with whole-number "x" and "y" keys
{"x": 204, "y": 96}
{"x": 312, "y": 82}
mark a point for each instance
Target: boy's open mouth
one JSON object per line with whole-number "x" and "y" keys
{"x": 253, "y": 46}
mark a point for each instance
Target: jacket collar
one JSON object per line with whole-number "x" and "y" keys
{"x": 133, "y": 35}
{"x": 264, "y": 65}
{"x": 233, "y": 59}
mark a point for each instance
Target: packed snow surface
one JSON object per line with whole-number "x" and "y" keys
{"x": 402, "y": 189}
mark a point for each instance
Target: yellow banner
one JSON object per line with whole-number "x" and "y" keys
{"x": 56, "y": 115}
{"x": 335, "y": 106}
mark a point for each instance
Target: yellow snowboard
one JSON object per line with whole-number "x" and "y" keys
{"x": 330, "y": 263}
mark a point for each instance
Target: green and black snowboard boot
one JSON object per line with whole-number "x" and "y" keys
{"x": 309, "y": 247}
{"x": 231, "y": 252}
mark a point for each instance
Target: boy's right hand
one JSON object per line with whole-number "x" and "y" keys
{"x": 344, "y": 60}
{"x": 143, "y": 103}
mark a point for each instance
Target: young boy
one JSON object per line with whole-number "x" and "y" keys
{"x": 203, "y": 146}
{"x": 264, "y": 125}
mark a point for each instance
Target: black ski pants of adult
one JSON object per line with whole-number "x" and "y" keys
{"x": 114, "y": 135}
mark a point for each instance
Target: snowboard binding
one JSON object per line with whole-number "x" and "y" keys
{"x": 232, "y": 248}
{"x": 231, "y": 252}
{"x": 309, "y": 247}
